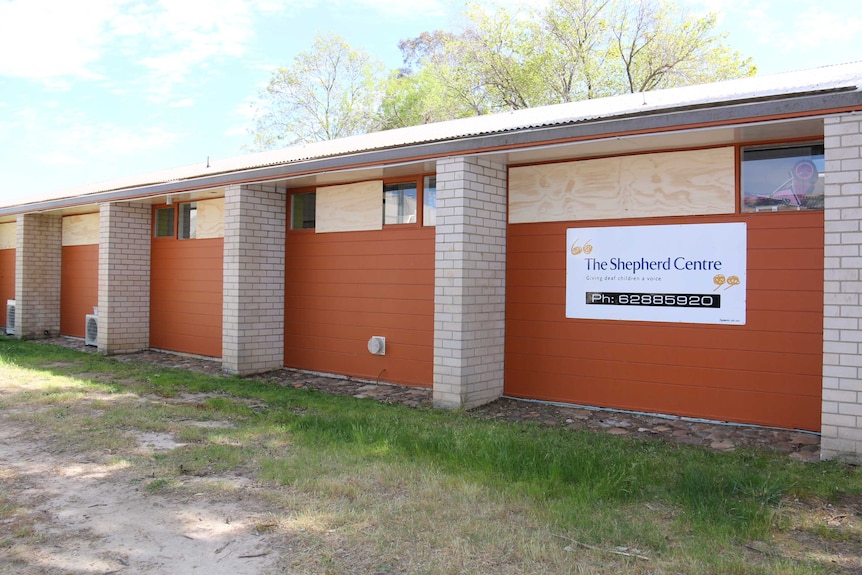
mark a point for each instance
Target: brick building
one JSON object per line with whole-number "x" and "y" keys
{"x": 693, "y": 251}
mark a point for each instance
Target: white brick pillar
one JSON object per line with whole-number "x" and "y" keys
{"x": 469, "y": 282}
{"x": 841, "y": 429}
{"x": 253, "y": 312}
{"x": 125, "y": 231}
{"x": 38, "y": 260}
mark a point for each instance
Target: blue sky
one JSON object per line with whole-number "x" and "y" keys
{"x": 99, "y": 89}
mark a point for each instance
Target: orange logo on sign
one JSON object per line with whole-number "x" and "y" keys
{"x": 578, "y": 250}
{"x": 719, "y": 280}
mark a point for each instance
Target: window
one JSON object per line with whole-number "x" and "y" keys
{"x": 164, "y": 227}
{"x": 782, "y": 178}
{"x": 185, "y": 226}
{"x": 302, "y": 208}
{"x": 429, "y": 203}
{"x": 399, "y": 203}
{"x": 187, "y": 221}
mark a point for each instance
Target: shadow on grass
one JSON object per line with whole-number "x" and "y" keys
{"x": 593, "y": 485}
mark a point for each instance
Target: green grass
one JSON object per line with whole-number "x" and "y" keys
{"x": 688, "y": 509}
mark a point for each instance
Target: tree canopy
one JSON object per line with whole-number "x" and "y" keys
{"x": 330, "y": 91}
{"x": 502, "y": 59}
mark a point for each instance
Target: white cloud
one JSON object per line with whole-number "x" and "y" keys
{"x": 239, "y": 130}
{"x": 247, "y": 109}
{"x": 57, "y": 42}
{"x": 814, "y": 28}
{"x": 184, "y": 103}
{"x": 86, "y": 144}
{"x": 179, "y": 42}
{"x": 59, "y": 159}
{"x": 789, "y": 24}
{"x": 52, "y": 136}
{"x": 402, "y": 9}
{"x": 51, "y": 39}
{"x": 783, "y": 35}
{"x": 241, "y": 118}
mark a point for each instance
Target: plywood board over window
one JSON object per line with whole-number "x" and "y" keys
{"x": 8, "y": 238}
{"x": 210, "y": 218}
{"x": 81, "y": 230}
{"x": 688, "y": 183}
{"x": 350, "y": 207}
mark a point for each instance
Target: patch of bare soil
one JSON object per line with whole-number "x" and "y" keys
{"x": 828, "y": 533}
{"x": 79, "y": 514}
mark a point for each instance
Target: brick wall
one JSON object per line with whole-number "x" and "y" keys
{"x": 842, "y": 311}
{"x": 253, "y": 312}
{"x": 469, "y": 287}
{"x": 37, "y": 275}
{"x": 124, "y": 277}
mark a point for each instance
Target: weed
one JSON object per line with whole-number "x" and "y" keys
{"x": 423, "y": 491}
{"x": 159, "y": 485}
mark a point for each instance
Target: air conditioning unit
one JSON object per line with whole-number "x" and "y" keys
{"x": 10, "y": 317}
{"x": 377, "y": 345}
{"x": 91, "y": 329}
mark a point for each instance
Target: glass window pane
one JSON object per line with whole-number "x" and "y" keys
{"x": 781, "y": 179}
{"x": 187, "y": 221}
{"x": 302, "y": 211}
{"x": 429, "y": 201}
{"x": 165, "y": 223}
{"x": 399, "y": 203}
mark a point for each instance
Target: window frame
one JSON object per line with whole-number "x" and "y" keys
{"x": 297, "y": 192}
{"x": 192, "y": 223}
{"x": 779, "y": 208}
{"x": 155, "y": 222}
{"x": 418, "y": 180}
{"x": 176, "y": 208}
{"x": 425, "y": 178}
{"x": 416, "y": 188}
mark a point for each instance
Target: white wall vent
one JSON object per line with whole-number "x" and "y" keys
{"x": 10, "y": 317}
{"x": 91, "y": 330}
{"x": 377, "y": 345}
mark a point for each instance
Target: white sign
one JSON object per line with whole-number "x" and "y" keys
{"x": 684, "y": 273}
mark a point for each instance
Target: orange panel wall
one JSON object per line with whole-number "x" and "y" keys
{"x": 766, "y": 372}
{"x": 186, "y": 295}
{"x": 7, "y": 281}
{"x": 342, "y": 288}
{"x": 79, "y": 285}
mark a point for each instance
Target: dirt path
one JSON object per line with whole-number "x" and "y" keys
{"x": 70, "y": 507}
{"x": 92, "y": 517}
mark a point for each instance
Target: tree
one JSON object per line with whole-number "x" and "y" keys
{"x": 580, "y": 63}
{"x": 658, "y": 46}
{"x": 331, "y": 91}
{"x": 565, "y": 51}
{"x": 573, "y": 50}
{"x": 434, "y": 85}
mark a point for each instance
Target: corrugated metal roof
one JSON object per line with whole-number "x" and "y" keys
{"x": 828, "y": 78}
